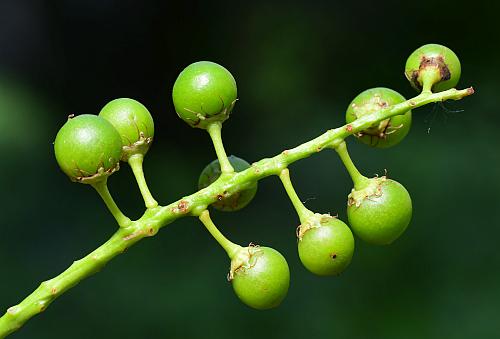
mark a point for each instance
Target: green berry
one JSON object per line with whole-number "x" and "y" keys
{"x": 433, "y": 67}
{"x": 204, "y": 92}
{"x": 380, "y": 212}
{"x": 326, "y": 245}
{"x": 235, "y": 201}
{"x": 133, "y": 122}
{"x": 88, "y": 148}
{"x": 260, "y": 277}
{"x": 388, "y": 132}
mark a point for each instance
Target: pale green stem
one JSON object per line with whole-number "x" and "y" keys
{"x": 302, "y": 211}
{"x": 154, "y": 219}
{"x": 214, "y": 129}
{"x": 230, "y": 247}
{"x": 358, "y": 179}
{"x": 429, "y": 76}
{"x": 135, "y": 162}
{"x": 102, "y": 188}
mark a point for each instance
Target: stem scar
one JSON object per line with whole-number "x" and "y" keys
{"x": 133, "y": 235}
{"x": 182, "y": 207}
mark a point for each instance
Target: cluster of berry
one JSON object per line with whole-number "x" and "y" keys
{"x": 89, "y": 149}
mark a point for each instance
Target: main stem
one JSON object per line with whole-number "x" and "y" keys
{"x": 194, "y": 204}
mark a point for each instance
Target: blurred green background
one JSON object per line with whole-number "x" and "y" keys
{"x": 297, "y": 66}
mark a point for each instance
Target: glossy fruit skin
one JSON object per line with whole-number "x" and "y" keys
{"x": 88, "y": 148}
{"x": 383, "y": 216}
{"x": 204, "y": 92}
{"x": 328, "y": 249}
{"x": 265, "y": 282}
{"x": 434, "y": 56}
{"x": 133, "y": 122}
{"x": 235, "y": 201}
{"x": 386, "y": 133}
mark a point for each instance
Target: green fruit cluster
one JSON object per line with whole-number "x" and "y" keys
{"x": 89, "y": 148}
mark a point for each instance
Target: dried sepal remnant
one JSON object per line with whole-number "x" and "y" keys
{"x": 245, "y": 259}
{"x": 373, "y": 189}
{"x": 314, "y": 221}
{"x": 427, "y": 63}
{"x": 100, "y": 174}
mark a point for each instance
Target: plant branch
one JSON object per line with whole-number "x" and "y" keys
{"x": 193, "y": 205}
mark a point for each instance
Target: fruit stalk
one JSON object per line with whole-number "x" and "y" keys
{"x": 301, "y": 210}
{"x": 194, "y": 204}
{"x": 135, "y": 162}
{"x": 214, "y": 129}
{"x": 358, "y": 179}
{"x": 102, "y": 188}
{"x": 230, "y": 247}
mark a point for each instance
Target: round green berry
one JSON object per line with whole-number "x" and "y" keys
{"x": 225, "y": 202}
{"x": 204, "y": 92}
{"x": 326, "y": 245}
{"x": 260, "y": 277}
{"x": 88, "y": 148}
{"x": 133, "y": 122}
{"x": 388, "y": 132}
{"x": 380, "y": 212}
{"x": 433, "y": 67}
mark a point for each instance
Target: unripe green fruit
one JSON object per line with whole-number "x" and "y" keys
{"x": 204, "y": 92}
{"x": 260, "y": 277}
{"x": 436, "y": 64}
{"x": 380, "y": 212}
{"x": 88, "y": 148}
{"x": 235, "y": 201}
{"x": 326, "y": 245}
{"x": 133, "y": 122}
{"x": 388, "y": 132}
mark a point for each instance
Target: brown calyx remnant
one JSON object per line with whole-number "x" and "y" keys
{"x": 245, "y": 259}
{"x": 427, "y": 63}
{"x": 141, "y": 146}
{"x": 100, "y": 174}
{"x": 314, "y": 221}
{"x": 374, "y": 189}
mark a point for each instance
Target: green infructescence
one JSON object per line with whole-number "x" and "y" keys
{"x": 194, "y": 204}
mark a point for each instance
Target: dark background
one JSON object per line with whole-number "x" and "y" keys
{"x": 297, "y": 67}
